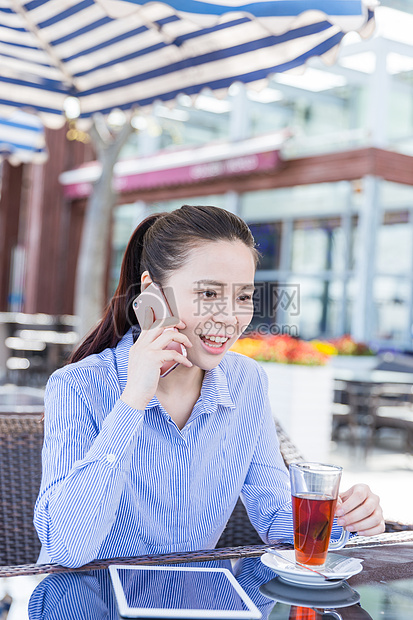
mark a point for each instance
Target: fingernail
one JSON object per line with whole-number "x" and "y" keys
{"x": 339, "y": 512}
{"x": 340, "y": 521}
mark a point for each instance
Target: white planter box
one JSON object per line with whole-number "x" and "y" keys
{"x": 301, "y": 399}
{"x": 353, "y": 362}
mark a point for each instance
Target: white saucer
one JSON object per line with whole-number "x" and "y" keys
{"x": 337, "y": 567}
{"x": 341, "y": 595}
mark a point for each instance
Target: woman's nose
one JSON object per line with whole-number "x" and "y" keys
{"x": 225, "y": 314}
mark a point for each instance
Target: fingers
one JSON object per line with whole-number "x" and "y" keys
{"x": 362, "y": 518}
{"x": 172, "y": 355}
{"x": 169, "y": 336}
{"x": 149, "y": 322}
{"x": 170, "y": 321}
{"x": 153, "y": 329}
{"x": 154, "y": 341}
{"x": 379, "y": 529}
{"x": 149, "y": 353}
{"x": 372, "y": 525}
{"x": 352, "y": 498}
{"x": 162, "y": 332}
{"x": 360, "y": 511}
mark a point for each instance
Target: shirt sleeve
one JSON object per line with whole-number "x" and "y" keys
{"x": 82, "y": 595}
{"x": 84, "y": 472}
{"x": 266, "y": 492}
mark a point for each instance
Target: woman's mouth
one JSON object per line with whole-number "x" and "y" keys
{"x": 214, "y": 344}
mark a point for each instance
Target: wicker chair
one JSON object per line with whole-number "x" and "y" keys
{"x": 21, "y": 439}
{"x": 239, "y": 530}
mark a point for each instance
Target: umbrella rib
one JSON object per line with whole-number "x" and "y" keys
{"x": 150, "y": 24}
{"x": 43, "y": 44}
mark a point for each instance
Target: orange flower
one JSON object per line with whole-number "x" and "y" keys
{"x": 282, "y": 349}
{"x": 346, "y": 345}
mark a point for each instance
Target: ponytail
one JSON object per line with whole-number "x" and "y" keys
{"x": 119, "y": 315}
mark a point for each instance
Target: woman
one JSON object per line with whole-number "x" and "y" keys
{"x": 134, "y": 463}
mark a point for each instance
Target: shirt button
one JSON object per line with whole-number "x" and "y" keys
{"x": 111, "y": 458}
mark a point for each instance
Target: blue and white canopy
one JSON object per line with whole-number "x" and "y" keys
{"x": 129, "y": 53}
{"x": 22, "y": 139}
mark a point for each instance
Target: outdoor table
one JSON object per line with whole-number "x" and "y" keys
{"x": 360, "y": 387}
{"x": 32, "y": 346}
{"x": 385, "y": 585}
{"x": 16, "y": 399}
{"x": 364, "y": 383}
{"x": 372, "y": 376}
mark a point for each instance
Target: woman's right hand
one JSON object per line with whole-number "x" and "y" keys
{"x": 147, "y": 356}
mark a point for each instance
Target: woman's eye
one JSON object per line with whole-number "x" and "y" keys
{"x": 208, "y": 294}
{"x": 245, "y": 297}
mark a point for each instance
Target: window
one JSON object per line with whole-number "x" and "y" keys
{"x": 267, "y": 238}
{"x": 318, "y": 245}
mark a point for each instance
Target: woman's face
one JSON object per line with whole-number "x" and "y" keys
{"x": 213, "y": 295}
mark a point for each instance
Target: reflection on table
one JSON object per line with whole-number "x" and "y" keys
{"x": 384, "y": 588}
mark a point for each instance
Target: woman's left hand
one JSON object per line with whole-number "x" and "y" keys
{"x": 358, "y": 510}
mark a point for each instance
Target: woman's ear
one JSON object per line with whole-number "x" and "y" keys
{"x": 146, "y": 280}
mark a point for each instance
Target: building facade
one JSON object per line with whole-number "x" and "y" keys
{"x": 320, "y": 165}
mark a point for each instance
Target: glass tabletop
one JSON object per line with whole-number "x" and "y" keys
{"x": 383, "y": 590}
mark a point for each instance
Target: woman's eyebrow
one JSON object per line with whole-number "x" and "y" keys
{"x": 241, "y": 287}
{"x": 210, "y": 282}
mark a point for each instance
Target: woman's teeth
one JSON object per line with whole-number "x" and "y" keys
{"x": 215, "y": 341}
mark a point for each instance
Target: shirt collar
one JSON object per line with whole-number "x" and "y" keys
{"x": 214, "y": 389}
{"x": 122, "y": 358}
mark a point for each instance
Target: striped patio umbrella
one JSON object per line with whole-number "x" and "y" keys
{"x": 22, "y": 139}
{"x": 129, "y": 53}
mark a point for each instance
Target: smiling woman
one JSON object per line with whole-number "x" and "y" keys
{"x": 139, "y": 461}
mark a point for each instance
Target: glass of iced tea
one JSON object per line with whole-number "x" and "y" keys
{"x": 314, "y": 490}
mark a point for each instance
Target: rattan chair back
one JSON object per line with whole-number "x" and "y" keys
{"x": 239, "y": 531}
{"x": 21, "y": 440}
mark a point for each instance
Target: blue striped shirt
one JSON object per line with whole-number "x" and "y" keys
{"x": 89, "y": 595}
{"x": 118, "y": 481}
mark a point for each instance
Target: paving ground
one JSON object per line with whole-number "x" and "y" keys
{"x": 387, "y": 469}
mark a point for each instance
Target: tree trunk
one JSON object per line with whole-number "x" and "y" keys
{"x": 92, "y": 261}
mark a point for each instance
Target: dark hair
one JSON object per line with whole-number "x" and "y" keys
{"x": 160, "y": 244}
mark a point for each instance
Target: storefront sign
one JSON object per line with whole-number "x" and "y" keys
{"x": 183, "y": 175}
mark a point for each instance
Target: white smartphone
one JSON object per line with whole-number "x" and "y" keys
{"x": 153, "y": 297}
{"x": 180, "y": 592}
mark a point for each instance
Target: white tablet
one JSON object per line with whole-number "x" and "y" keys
{"x": 179, "y": 592}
